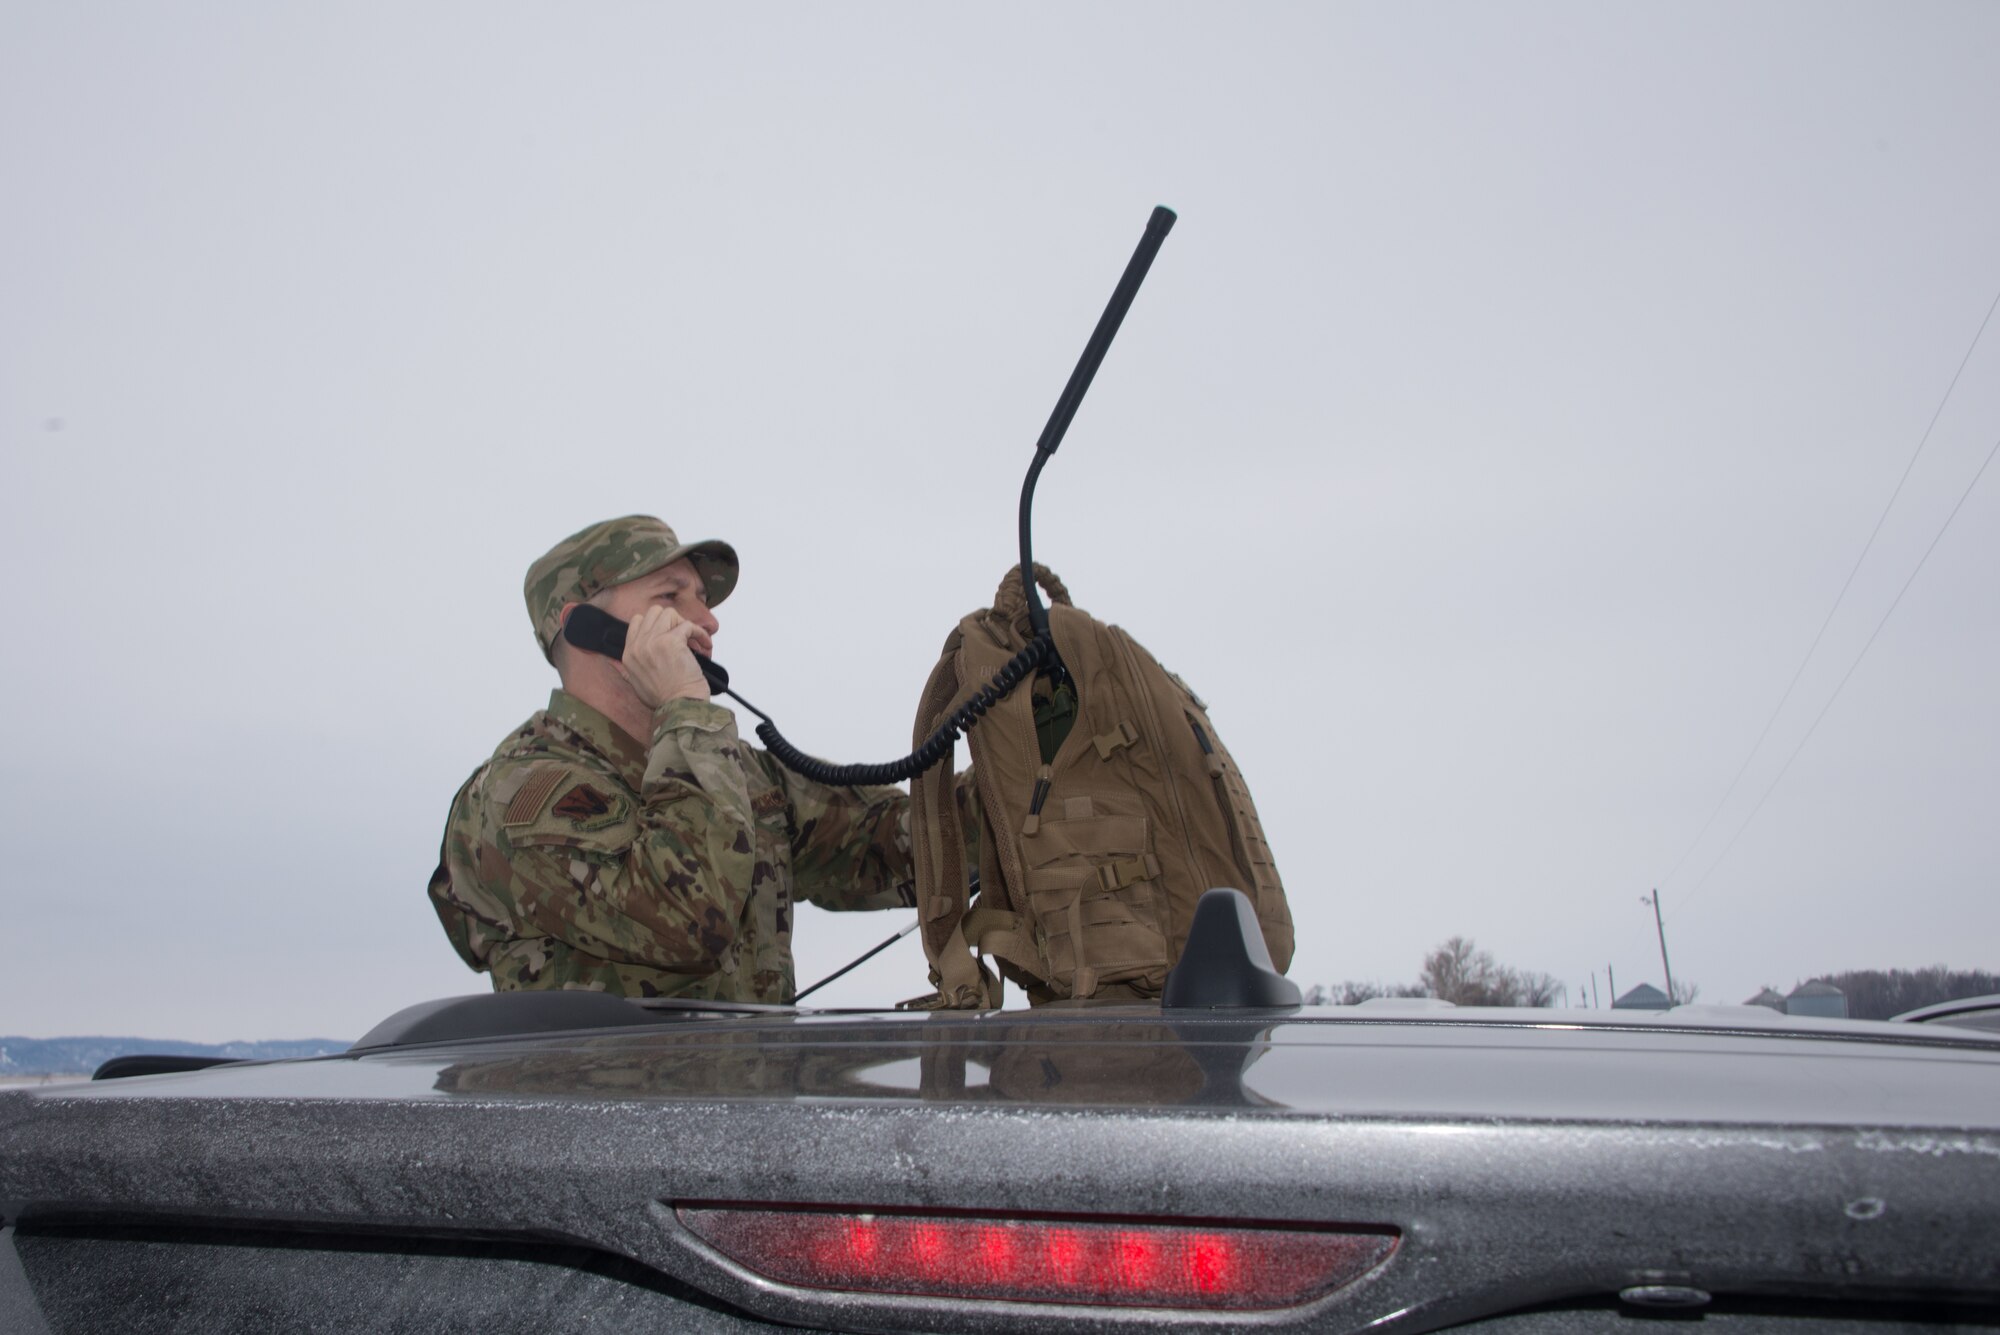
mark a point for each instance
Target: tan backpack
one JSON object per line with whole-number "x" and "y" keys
{"x": 1089, "y": 865}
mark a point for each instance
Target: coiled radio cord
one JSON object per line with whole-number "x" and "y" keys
{"x": 936, "y": 747}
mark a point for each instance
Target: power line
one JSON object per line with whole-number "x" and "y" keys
{"x": 1838, "y": 598}
{"x": 1843, "y": 681}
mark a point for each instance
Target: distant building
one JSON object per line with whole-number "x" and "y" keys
{"x": 1822, "y": 999}
{"x": 1768, "y": 997}
{"x": 1645, "y": 997}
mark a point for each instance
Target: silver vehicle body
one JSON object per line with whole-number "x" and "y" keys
{"x": 1529, "y": 1166}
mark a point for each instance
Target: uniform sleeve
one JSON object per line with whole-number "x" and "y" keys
{"x": 851, "y": 846}
{"x": 660, "y": 883}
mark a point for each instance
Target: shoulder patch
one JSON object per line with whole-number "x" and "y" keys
{"x": 583, "y": 803}
{"x": 527, "y": 803}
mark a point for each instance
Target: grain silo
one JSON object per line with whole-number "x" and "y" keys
{"x": 1822, "y": 999}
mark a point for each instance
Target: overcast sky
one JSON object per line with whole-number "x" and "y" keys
{"x": 1494, "y": 433}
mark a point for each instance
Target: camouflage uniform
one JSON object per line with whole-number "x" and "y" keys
{"x": 579, "y": 856}
{"x": 576, "y": 857}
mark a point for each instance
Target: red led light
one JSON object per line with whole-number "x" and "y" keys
{"x": 1123, "y": 1263}
{"x": 859, "y": 1241}
{"x": 1209, "y": 1263}
{"x": 998, "y": 1255}
{"x": 926, "y": 1245}
{"x": 1138, "y": 1259}
{"x": 1065, "y": 1253}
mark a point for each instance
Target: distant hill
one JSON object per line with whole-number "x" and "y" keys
{"x": 80, "y": 1056}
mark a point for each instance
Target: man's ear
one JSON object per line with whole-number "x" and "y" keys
{"x": 559, "y": 651}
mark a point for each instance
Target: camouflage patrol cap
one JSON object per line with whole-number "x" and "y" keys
{"x": 606, "y": 555}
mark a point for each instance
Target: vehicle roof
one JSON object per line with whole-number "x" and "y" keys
{"x": 1739, "y": 1065}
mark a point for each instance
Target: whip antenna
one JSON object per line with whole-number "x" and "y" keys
{"x": 1040, "y": 652}
{"x": 1157, "y": 228}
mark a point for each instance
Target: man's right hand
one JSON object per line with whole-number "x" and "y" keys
{"x": 659, "y": 657}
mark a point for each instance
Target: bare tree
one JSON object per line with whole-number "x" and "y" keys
{"x": 1502, "y": 987}
{"x": 1538, "y": 989}
{"x": 1685, "y": 992}
{"x": 1458, "y": 972}
{"x": 1353, "y": 994}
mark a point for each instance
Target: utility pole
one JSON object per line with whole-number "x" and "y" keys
{"x": 1611, "y": 975}
{"x": 1595, "y": 1001}
{"x": 1660, "y": 923}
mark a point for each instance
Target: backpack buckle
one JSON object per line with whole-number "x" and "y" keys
{"x": 1122, "y": 735}
{"x": 1115, "y": 876}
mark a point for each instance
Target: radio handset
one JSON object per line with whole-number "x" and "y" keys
{"x": 596, "y": 630}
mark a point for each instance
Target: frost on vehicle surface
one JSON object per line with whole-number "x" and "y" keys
{"x": 1519, "y": 1170}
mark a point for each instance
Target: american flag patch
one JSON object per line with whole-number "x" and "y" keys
{"x": 527, "y": 803}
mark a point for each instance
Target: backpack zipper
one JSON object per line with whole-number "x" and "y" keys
{"x": 1239, "y": 839}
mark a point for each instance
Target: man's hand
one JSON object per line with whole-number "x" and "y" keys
{"x": 659, "y": 657}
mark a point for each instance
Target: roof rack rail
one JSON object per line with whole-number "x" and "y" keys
{"x": 507, "y": 1014}
{"x": 499, "y": 1014}
{"x": 157, "y": 1063}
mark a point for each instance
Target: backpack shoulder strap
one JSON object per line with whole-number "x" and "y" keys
{"x": 937, "y": 841}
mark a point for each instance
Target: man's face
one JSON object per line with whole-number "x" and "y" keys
{"x": 678, "y": 586}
